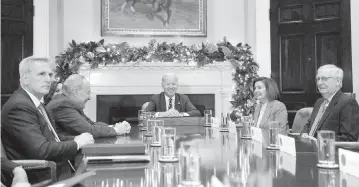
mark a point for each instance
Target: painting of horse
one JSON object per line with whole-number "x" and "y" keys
{"x": 154, "y": 17}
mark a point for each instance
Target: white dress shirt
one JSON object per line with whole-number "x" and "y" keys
{"x": 34, "y": 99}
{"x": 261, "y": 112}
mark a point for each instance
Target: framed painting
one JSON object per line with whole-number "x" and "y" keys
{"x": 154, "y": 18}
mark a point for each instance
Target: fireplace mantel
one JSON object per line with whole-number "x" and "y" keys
{"x": 145, "y": 78}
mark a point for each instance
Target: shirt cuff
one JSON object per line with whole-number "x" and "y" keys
{"x": 185, "y": 114}
{"x": 116, "y": 130}
{"x": 78, "y": 146}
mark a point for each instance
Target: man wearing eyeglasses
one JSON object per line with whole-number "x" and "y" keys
{"x": 67, "y": 109}
{"x": 334, "y": 111}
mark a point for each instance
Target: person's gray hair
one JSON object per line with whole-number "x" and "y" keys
{"x": 165, "y": 76}
{"x": 336, "y": 71}
{"x": 26, "y": 65}
{"x": 75, "y": 81}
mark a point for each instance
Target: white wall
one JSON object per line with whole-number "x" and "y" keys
{"x": 355, "y": 45}
{"x": 82, "y": 22}
{"x": 245, "y": 21}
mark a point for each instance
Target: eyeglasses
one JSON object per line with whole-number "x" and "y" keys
{"x": 323, "y": 79}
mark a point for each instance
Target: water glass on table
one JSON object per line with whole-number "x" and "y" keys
{"x": 147, "y": 116}
{"x": 140, "y": 118}
{"x": 157, "y": 131}
{"x": 208, "y": 118}
{"x": 169, "y": 174}
{"x": 190, "y": 163}
{"x": 274, "y": 128}
{"x": 247, "y": 127}
{"x": 326, "y": 149}
{"x": 168, "y": 147}
{"x": 144, "y": 121}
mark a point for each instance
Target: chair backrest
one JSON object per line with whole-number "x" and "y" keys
{"x": 301, "y": 118}
{"x": 350, "y": 94}
{"x": 144, "y": 106}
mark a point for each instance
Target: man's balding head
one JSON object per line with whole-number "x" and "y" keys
{"x": 77, "y": 88}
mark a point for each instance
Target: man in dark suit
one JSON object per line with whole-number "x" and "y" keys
{"x": 169, "y": 103}
{"x": 334, "y": 111}
{"x": 67, "y": 109}
{"x": 27, "y": 128}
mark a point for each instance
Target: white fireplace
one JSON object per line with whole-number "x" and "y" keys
{"x": 145, "y": 78}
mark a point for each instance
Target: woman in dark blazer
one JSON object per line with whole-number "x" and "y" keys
{"x": 268, "y": 107}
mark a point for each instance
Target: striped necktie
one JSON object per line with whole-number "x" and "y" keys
{"x": 44, "y": 114}
{"x": 318, "y": 117}
{"x": 170, "y": 103}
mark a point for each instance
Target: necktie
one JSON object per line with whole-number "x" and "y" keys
{"x": 318, "y": 118}
{"x": 44, "y": 114}
{"x": 170, "y": 103}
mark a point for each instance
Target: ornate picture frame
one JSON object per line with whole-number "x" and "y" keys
{"x": 154, "y": 18}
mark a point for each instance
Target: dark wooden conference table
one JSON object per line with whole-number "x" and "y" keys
{"x": 221, "y": 153}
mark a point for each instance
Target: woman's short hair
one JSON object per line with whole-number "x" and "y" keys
{"x": 271, "y": 87}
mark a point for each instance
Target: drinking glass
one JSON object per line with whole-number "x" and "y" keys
{"x": 140, "y": 118}
{"x": 144, "y": 121}
{"x": 208, "y": 133}
{"x": 328, "y": 178}
{"x": 247, "y": 127}
{"x": 326, "y": 149}
{"x": 168, "y": 147}
{"x": 150, "y": 124}
{"x": 207, "y": 118}
{"x": 225, "y": 123}
{"x": 157, "y": 128}
{"x": 169, "y": 174}
{"x": 190, "y": 164}
{"x": 239, "y": 167}
{"x": 147, "y": 116}
{"x": 239, "y": 121}
{"x": 274, "y": 128}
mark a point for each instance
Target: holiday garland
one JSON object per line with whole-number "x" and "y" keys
{"x": 99, "y": 53}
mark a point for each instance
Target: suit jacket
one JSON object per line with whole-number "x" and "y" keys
{"x": 25, "y": 134}
{"x": 275, "y": 111}
{"x": 182, "y": 104}
{"x": 340, "y": 116}
{"x": 71, "y": 120}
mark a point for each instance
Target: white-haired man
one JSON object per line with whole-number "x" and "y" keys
{"x": 334, "y": 111}
{"x": 67, "y": 109}
{"x": 28, "y": 129}
{"x": 169, "y": 103}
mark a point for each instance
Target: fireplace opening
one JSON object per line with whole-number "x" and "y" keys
{"x": 114, "y": 108}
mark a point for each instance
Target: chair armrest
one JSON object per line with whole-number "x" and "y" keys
{"x": 39, "y": 164}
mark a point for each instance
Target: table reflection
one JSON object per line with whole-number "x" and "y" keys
{"x": 234, "y": 161}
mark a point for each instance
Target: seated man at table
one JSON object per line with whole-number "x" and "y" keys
{"x": 169, "y": 103}
{"x": 27, "y": 128}
{"x": 67, "y": 109}
{"x": 334, "y": 111}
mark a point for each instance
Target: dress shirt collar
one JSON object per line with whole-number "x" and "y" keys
{"x": 331, "y": 97}
{"x": 34, "y": 99}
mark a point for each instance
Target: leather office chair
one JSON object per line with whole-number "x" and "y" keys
{"x": 32, "y": 166}
{"x": 301, "y": 118}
